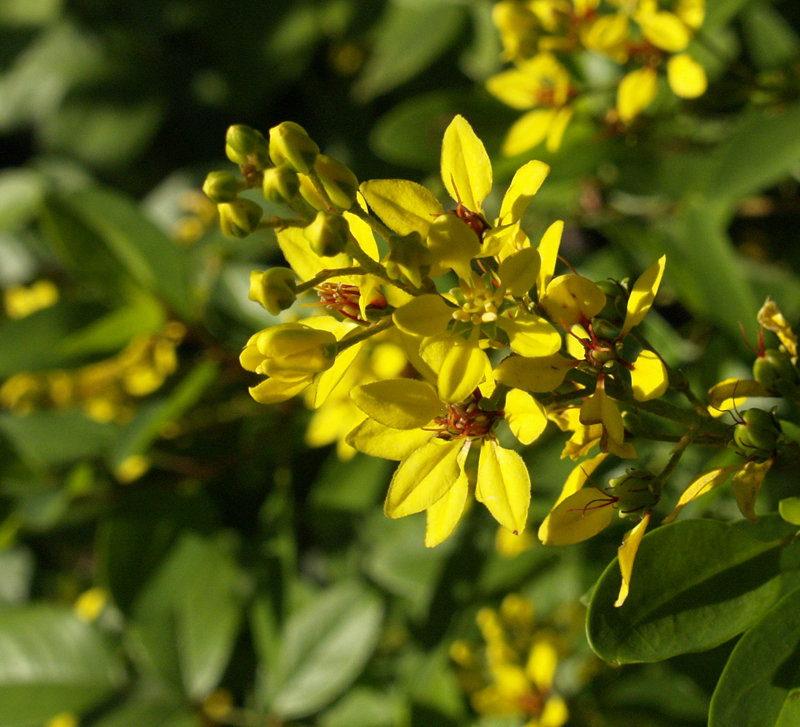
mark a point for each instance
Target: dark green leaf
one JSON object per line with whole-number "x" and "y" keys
{"x": 761, "y": 682}
{"x": 394, "y": 60}
{"x": 771, "y": 41}
{"x": 52, "y": 662}
{"x": 719, "y": 12}
{"x": 696, "y": 584}
{"x": 325, "y": 647}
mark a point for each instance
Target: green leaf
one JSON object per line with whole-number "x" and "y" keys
{"x": 143, "y": 249}
{"x": 760, "y": 686}
{"x": 364, "y": 707}
{"x": 188, "y": 619}
{"x": 325, "y": 647}
{"x": 139, "y": 711}
{"x": 394, "y": 60}
{"x": 771, "y": 40}
{"x": 761, "y": 151}
{"x": 719, "y": 12}
{"x": 790, "y": 510}
{"x": 696, "y": 584}
{"x": 21, "y": 195}
{"x": 52, "y": 662}
{"x": 51, "y": 439}
{"x": 16, "y": 573}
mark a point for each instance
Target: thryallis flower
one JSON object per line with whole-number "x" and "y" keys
{"x": 434, "y": 439}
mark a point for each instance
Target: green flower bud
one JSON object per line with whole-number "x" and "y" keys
{"x": 634, "y": 493}
{"x": 328, "y": 234}
{"x": 289, "y": 142}
{"x": 338, "y": 180}
{"x": 293, "y": 349}
{"x": 239, "y": 217}
{"x": 408, "y": 256}
{"x": 605, "y": 330}
{"x": 221, "y": 187}
{"x": 274, "y": 289}
{"x": 616, "y": 303}
{"x": 246, "y": 146}
{"x": 776, "y": 373}
{"x": 281, "y": 184}
{"x": 758, "y": 436}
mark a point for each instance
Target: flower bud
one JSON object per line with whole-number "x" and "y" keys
{"x": 239, "y": 218}
{"x": 221, "y": 187}
{"x": 281, "y": 183}
{"x": 408, "y": 256}
{"x": 289, "y": 142}
{"x": 338, "y": 180}
{"x": 605, "y": 329}
{"x": 758, "y": 436}
{"x": 776, "y": 373}
{"x": 635, "y": 493}
{"x": 274, "y": 289}
{"x": 244, "y": 145}
{"x": 328, "y": 234}
{"x": 292, "y": 348}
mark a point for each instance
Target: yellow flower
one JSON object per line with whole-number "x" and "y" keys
{"x": 21, "y": 301}
{"x": 408, "y": 421}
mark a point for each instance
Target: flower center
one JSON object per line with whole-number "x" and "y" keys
{"x": 480, "y": 302}
{"x": 466, "y": 420}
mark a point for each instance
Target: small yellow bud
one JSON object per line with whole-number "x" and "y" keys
{"x": 289, "y": 142}
{"x": 338, "y": 180}
{"x": 90, "y": 604}
{"x": 221, "y": 186}
{"x": 408, "y": 256}
{"x": 239, "y": 217}
{"x": 281, "y": 183}
{"x": 289, "y": 350}
{"x": 246, "y": 146}
{"x": 274, "y": 289}
{"x": 328, "y": 234}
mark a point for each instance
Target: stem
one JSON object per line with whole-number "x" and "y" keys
{"x": 376, "y": 226}
{"x": 312, "y": 174}
{"x": 280, "y": 223}
{"x": 677, "y": 453}
{"x": 363, "y": 335}
{"x": 324, "y": 275}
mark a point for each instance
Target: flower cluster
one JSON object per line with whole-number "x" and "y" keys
{"x": 547, "y": 39}
{"x": 458, "y": 336}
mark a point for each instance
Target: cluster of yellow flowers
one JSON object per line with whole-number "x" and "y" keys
{"x": 512, "y": 675}
{"x": 433, "y": 349}
{"x": 544, "y": 39}
{"x": 106, "y": 389}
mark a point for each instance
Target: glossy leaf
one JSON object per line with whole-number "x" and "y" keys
{"x": 696, "y": 584}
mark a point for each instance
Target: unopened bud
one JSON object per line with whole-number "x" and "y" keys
{"x": 293, "y": 348}
{"x": 246, "y": 146}
{"x": 328, "y": 234}
{"x": 281, "y": 183}
{"x": 289, "y": 142}
{"x": 776, "y": 373}
{"x": 221, "y": 187}
{"x": 239, "y": 218}
{"x": 758, "y": 436}
{"x": 634, "y": 492}
{"x": 274, "y": 289}
{"x": 338, "y": 180}
{"x": 408, "y": 256}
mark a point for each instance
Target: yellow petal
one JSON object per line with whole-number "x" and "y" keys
{"x": 525, "y": 184}
{"x": 635, "y": 93}
{"x": 504, "y": 485}
{"x": 723, "y": 396}
{"x": 363, "y": 234}
{"x": 691, "y": 12}
{"x": 541, "y": 666}
{"x": 328, "y": 380}
{"x": 607, "y": 34}
{"x": 515, "y": 88}
{"x": 403, "y": 206}
{"x": 580, "y": 476}
{"x": 699, "y": 486}
{"x": 518, "y": 272}
{"x": 539, "y": 375}
{"x": 466, "y": 169}
{"x": 423, "y": 478}
{"x": 649, "y": 377}
{"x": 599, "y": 408}
{"x": 530, "y": 335}
{"x": 577, "y": 518}
{"x": 378, "y": 440}
{"x": 548, "y": 251}
{"x": 746, "y": 486}
{"x": 525, "y": 416}
{"x": 627, "y": 554}
{"x": 273, "y": 391}
{"x": 686, "y": 77}
{"x": 302, "y": 259}
{"x": 398, "y": 403}
{"x": 443, "y": 515}
{"x": 643, "y": 294}
{"x": 571, "y": 299}
{"x": 555, "y": 712}
{"x": 463, "y": 368}
{"x": 555, "y": 133}
{"x": 664, "y": 30}
{"x": 453, "y": 244}
{"x": 425, "y": 315}
{"x": 528, "y": 131}
{"x": 772, "y": 319}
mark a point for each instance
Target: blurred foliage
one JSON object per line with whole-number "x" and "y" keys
{"x": 174, "y": 554}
